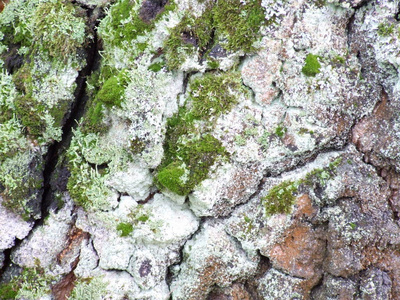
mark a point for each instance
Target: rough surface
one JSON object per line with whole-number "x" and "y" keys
{"x": 150, "y": 151}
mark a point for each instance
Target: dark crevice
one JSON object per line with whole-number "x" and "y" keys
{"x": 186, "y": 80}
{"x": 350, "y": 28}
{"x": 71, "y": 120}
{"x": 56, "y": 150}
{"x": 170, "y": 273}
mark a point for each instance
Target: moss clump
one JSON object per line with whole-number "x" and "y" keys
{"x": 9, "y": 290}
{"x": 190, "y": 150}
{"x": 190, "y": 164}
{"x": 239, "y": 22}
{"x": 124, "y": 229}
{"x": 125, "y": 23}
{"x": 172, "y": 177}
{"x": 321, "y": 175}
{"x": 110, "y": 94}
{"x": 280, "y": 131}
{"x": 156, "y": 67}
{"x": 190, "y": 35}
{"x": 59, "y": 28}
{"x": 21, "y": 179}
{"x": 385, "y": 29}
{"x": 213, "y": 94}
{"x": 31, "y": 284}
{"x": 312, "y": 66}
{"x": 280, "y": 198}
{"x": 235, "y": 23}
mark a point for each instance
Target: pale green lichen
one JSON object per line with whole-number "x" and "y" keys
{"x": 55, "y": 27}
{"x": 86, "y": 184}
{"x": 31, "y": 284}
{"x": 20, "y": 186}
{"x": 89, "y": 289}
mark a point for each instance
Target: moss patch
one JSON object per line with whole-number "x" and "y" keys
{"x": 213, "y": 95}
{"x": 106, "y": 95}
{"x": 31, "y": 284}
{"x": 190, "y": 149}
{"x": 280, "y": 198}
{"x": 312, "y": 65}
{"x": 126, "y": 22}
{"x": 233, "y": 22}
{"x": 124, "y": 229}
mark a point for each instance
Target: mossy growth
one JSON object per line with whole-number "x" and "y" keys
{"x": 21, "y": 179}
{"x": 124, "y": 229}
{"x": 125, "y": 23}
{"x": 280, "y": 198}
{"x": 385, "y": 29}
{"x": 31, "y": 284}
{"x": 190, "y": 150}
{"x": 239, "y": 22}
{"x": 156, "y": 67}
{"x": 109, "y": 94}
{"x": 234, "y": 23}
{"x": 280, "y": 131}
{"x": 213, "y": 95}
{"x": 59, "y": 28}
{"x": 321, "y": 175}
{"x": 190, "y": 164}
{"x": 9, "y": 290}
{"x": 312, "y": 65}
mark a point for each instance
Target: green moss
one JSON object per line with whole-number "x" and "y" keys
{"x": 190, "y": 150}
{"x": 312, "y": 65}
{"x": 280, "y": 131}
{"x": 124, "y": 229}
{"x": 20, "y": 175}
{"x": 125, "y": 23}
{"x": 235, "y": 23}
{"x": 213, "y": 64}
{"x": 109, "y": 94}
{"x": 239, "y": 22}
{"x": 280, "y": 198}
{"x": 213, "y": 95}
{"x": 321, "y": 175}
{"x": 190, "y": 164}
{"x": 59, "y": 28}
{"x": 156, "y": 67}
{"x": 8, "y": 291}
{"x": 190, "y": 34}
{"x": 385, "y": 29}
{"x": 171, "y": 178}
{"x": 31, "y": 284}
{"x": 30, "y": 112}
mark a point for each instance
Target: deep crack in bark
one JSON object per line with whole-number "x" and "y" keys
{"x": 56, "y": 150}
